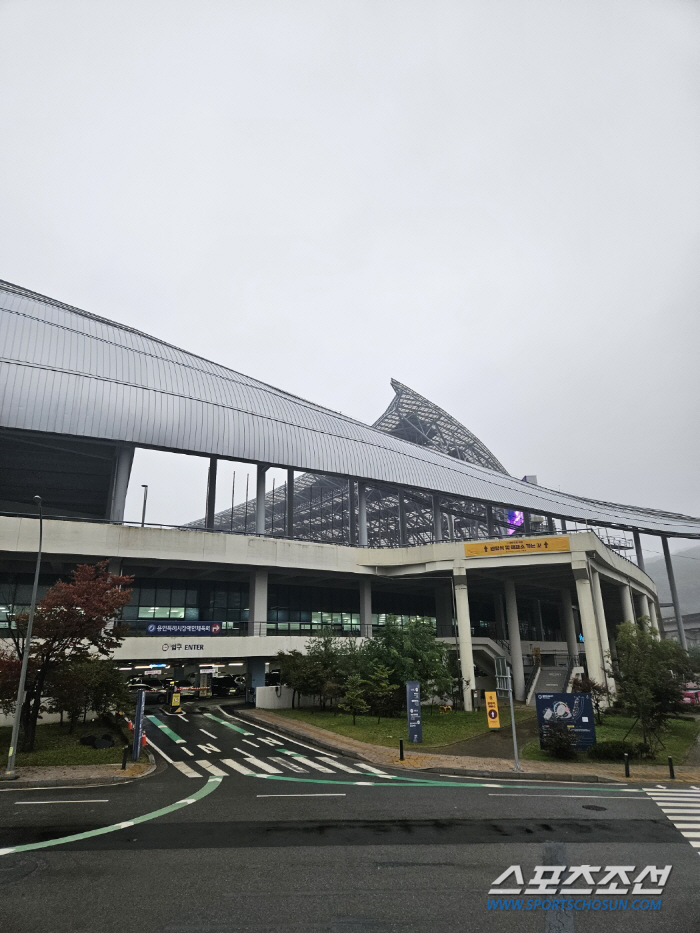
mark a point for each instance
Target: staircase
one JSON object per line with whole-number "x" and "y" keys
{"x": 552, "y": 680}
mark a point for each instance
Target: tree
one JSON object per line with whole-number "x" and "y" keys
{"x": 354, "y": 699}
{"x": 412, "y": 652}
{"x": 73, "y": 622}
{"x": 93, "y": 684}
{"x": 383, "y": 696}
{"x": 650, "y": 676}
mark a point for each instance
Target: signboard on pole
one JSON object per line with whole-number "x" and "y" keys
{"x": 573, "y": 710}
{"x": 138, "y": 724}
{"x": 413, "y": 709}
{"x": 494, "y": 719}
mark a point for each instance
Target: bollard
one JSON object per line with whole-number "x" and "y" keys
{"x": 401, "y": 750}
{"x": 125, "y": 755}
{"x": 627, "y": 765}
{"x": 671, "y": 772}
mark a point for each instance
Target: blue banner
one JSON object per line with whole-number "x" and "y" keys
{"x": 574, "y": 710}
{"x": 413, "y": 709}
{"x": 138, "y": 724}
{"x": 183, "y": 628}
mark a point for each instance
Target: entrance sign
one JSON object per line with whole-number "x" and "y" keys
{"x": 544, "y": 545}
{"x": 138, "y": 724}
{"x": 492, "y": 709}
{"x": 413, "y": 709}
{"x": 183, "y": 628}
{"x": 573, "y": 710}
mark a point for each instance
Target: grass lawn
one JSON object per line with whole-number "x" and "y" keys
{"x": 678, "y": 740}
{"x": 54, "y": 746}
{"x": 438, "y": 728}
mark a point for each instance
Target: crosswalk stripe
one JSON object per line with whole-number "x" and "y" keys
{"x": 337, "y": 764}
{"x": 269, "y": 741}
{"x": 301, "y": 759}
{"x": 691, "y": 835}
{"x": 230, "y": 763}
{"x": 261, "y": 764}
{"x": 212, "y": 769}
{"x": 186, "y": 770}
{"x": 375, "y": 771}
{"x": 292, "y": 765}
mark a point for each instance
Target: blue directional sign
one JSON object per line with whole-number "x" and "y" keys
{"x": 574, "y": 710}
{"x": 138, "y": 724}
{"x": 184, "y": 628}
{"x": 413, "y": 708}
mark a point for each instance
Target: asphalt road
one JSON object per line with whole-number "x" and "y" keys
{"x": 241, "y": 829}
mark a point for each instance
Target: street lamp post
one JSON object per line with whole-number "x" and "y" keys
{"x": 145, "y": 500}
{"x": 10, "y": 773}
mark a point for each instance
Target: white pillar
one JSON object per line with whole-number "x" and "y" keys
{"x": 437, "y": 519}
{"x": 674, "y": 593}
{"x": 257, "y": 602}
{"x": 123, "y": 460}
{"x": 567, "y": 611}
{"x": 627, "y": 604}
{"x": 602, "y": 627}
{"x": 362, "y": 514}
{"x": 516, "y": 651}
{"x": 260, "y": 500}
{"x": 464, "y": 637}
{"x": 653, "y": 618}
{"x": 589, "y": 629}
{"x": 366, "y": 608}
{"x": 643, "y": 609}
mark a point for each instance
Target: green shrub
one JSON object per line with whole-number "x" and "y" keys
{"x": 559, "y": 741}
{"x": 616, "y": 749}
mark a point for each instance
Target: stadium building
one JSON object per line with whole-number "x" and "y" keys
{"x": 411, "y": 517}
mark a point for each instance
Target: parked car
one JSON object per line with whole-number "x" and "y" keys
{"x": 227, "y": 686}
{"x": 154, "y": 693}
{"x": 187, "y": 689}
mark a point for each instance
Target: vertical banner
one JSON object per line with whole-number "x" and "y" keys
{"x": 494, "y": 719}
{"x": 415, "y": 727}
{"x": 138, "y": 724}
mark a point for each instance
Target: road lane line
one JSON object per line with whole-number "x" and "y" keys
{"x": 260, "y": 764}
{"x": 338, "y": 764}
{"x": 41, "y": 803}
{"x": 569, "y": 796}
{"x": 160, "y": 751}
{"x": 230, "y": 763}
{"x": 166, "y": 729}
{"x": 188, "y": 752}
{"x": 211, "y": 785}
{"x": 186, "y": 770}
{"x": 212, "y": 769}
{"x": 210, "y": 734}
{"x": 248, "y": 742}
{"x": 300, "y": 795}
{"x": 229, "y": 725}
{"x": 271, "y": 731}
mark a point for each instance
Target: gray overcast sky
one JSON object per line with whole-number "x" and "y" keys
{"x": 495, "y": 201}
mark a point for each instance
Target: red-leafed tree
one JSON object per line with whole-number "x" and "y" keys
{"x": 75, "y": 621}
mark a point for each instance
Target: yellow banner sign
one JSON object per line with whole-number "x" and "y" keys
{"x": 492, "y": 709}
{"x": 516, "y": 546}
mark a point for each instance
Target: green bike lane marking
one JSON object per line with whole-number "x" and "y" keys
{"x": 228, "y": 724}
{"x": 205, "y": 790}
{"x": 166, "y": 729}
{"x": 417, "y": 782}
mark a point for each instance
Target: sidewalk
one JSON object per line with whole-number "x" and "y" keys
{"x": 79, "y": 775}
{"x": 437, "y": 761}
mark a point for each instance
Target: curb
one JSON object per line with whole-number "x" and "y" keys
{"x": 548, "y": 776}
{"x": 82, "y": 782}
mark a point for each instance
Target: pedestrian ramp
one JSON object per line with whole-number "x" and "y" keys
{"x": 296, "y": 765}
{"x": 682, "y": 807}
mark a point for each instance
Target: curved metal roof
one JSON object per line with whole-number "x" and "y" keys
{"x": 65, "y": 371}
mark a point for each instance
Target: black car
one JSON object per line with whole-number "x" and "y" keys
{"x": 154, "y": 692}
{"x": 227, "y": 687}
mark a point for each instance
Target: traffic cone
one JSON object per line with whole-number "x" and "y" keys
{"x": 143, "y": 740}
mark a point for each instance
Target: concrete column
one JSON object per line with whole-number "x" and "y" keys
{"x": 499, "y": 615}
{"x": 260, "y": 499}
{"x": 444, "y": 609}
{"x": 527, "y": 524}
{"x": 674, "y": 593}
{"x": 628, "y": 614}
{"x": 599, "y": 608}
{"x": 437, "y": 519}
{"x": 257, "y": 601}
{"x": 567, "y": 611}
{"x": 490, "y": 527}
{"x": 403, "y": 536}
{"x": 211, "y": 494}
{"x": 550, "y": 525}
{"x": 538, "y": 617}
{"x": 563, "y": 525}
{"x": 450, "y": 526}
{"x": 362, "y": 514}
{"x": 589, "y": 629}
{"x": 653, "y": 618}
{"x": 638, "y": 549}
{"x": 123, "y": 460}
{"x": 366, "y": 608}
{"x": 255, "y": 677}
{"x": 464, "y": 637}
{"x": 516, "y": 651}
{"x": 290, "y": 503}
{"x": 642, "y": 609}
{"x": 352, "y": 513}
